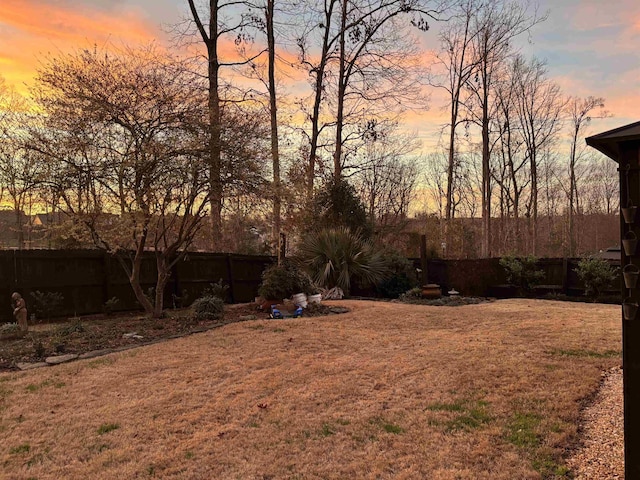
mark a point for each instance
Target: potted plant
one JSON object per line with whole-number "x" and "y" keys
{"x": 314, "y": 294}
{"x": 282, "y": 281}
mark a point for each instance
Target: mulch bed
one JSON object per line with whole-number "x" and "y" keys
{"x": 99, "y": 332}
{"x": 445, "y": 301}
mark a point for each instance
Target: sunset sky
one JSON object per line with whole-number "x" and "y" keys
{"x": 591, "y": 46}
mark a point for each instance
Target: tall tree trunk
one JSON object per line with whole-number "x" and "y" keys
{"x": 517, "y": 245}
{"x": 163, "y": 278}
{"x": 572, "y": 194}
{"x": 215, "y": 163}
{"x": 450, "y": 176}
{"x": 210, "y": 40}
{"x": 19, "y": 228}
{"x": 534, "y": 202}
{"x": 134, "y": 275}
{"x": 337, "y": 155}
{"x": 317, "y": 100}
{"x": 486, "y": 175}
{"x": 275, "y": 155}
{"x": 532, "y": 146}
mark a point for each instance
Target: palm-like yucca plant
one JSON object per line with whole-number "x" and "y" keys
{"x": 334, "y": 257}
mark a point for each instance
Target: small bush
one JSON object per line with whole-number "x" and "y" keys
{"x": 39, "y": 349}
{"x": 10, "y": 330}
{"x": 282, "y": 281}
{"x": 597, "y": 274}
{"x": 208, "y": 308}
{"x": 74, "y": 327}
{"x": 218, "y": 289}
{"x": 182, "y": 300}
{"x": 401, "y": 276}
{"x": 413, "y": 294}
{"x": 110, "y": 305}
{"x": 522, "y": 271}
{"x": 46, "y": 304}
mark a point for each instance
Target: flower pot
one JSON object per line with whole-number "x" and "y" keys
{"x": 431, "y": 290}
{"x": 629, "y": 213}
{"x": 629, "y": 308}
{"x": 629, "y": 242}
{"x": 300, "y": 299}
{"x": 315, "y": 298}
{"x": 630, "y": 274}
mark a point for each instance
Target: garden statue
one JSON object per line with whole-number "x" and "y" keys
{"x": 19, "y": 310}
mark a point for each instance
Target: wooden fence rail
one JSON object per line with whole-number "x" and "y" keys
{"x": 87, "y": 279}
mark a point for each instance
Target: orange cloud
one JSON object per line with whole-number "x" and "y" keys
{"x": 32, "y": 28}
{"x": 55, "y": 22}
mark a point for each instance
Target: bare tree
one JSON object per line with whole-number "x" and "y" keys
{"x": 455, "y": 67}
{"x": 123, "y": 132}
{"x": 513, "y": 179}
{"x": 20, "y": 172}
{"x": 362, "y": 68}
{"x": 498, "y": 23}
{"x": 436, "y": 181}
{"x": 387, "y": 179}
{"x": 606, "y": 185}
{"x": 580, "y": 112}
{"x": 539, "y": 107}
{"x": 225, "y": 20}
{"x": 273, "y": 110}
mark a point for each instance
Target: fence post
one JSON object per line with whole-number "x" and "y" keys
{"x": 230, "y": 275}
{"x": 177, "y": 293}
{"x": 565, "y": 275}
{"x": 424, "y": 275}
{"x": 105, "y": 277}
{"x": 15, "y": 271}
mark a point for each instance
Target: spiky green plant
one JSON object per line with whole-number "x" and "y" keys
{"x": 335, "y": 257}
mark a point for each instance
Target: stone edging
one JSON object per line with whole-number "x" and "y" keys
{"x": 60, "y": 359}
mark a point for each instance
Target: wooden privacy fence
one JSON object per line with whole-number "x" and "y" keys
{"x": 486, "y": 278}
{"x": 87, "y": 279}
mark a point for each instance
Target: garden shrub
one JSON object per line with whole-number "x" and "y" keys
{"x": 46, "y": 304}
{"x": 522, "y": 272}
{"x": 597, "y": 274}
{"x": 218, "y": 289}
{"x": 337, "y": 205}
{"x": 401, "y": 275}
{"x": 282, "y": 281}
{"x": 208, "y": 307}
{"x": 413, "y": 294}
{"x": 182, "y": 300}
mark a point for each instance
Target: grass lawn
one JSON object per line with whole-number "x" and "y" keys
{"x": 387, "y": 391}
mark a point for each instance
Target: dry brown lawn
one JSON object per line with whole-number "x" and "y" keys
{"x": 388, "y": 391}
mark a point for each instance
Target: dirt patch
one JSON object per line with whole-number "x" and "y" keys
{"x": 85, "y": 334}
{"x": 388, "y": 391}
